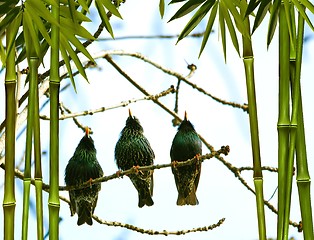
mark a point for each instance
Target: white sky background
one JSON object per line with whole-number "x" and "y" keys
{"x": 220, "y": 194}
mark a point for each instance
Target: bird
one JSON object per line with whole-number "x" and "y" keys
{"x": 133, "y": 150}
{"x": 186, "y": 144}
{"x": 83, "y": 166}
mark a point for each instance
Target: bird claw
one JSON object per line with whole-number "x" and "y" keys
{"x": 90, "y": 182}
{"x": 135, "y": 169}
{"x": 174, "y": 163}
{"x": 118, "y": 173}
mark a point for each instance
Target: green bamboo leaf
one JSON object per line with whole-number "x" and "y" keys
{"x": 70, "y": 37}
{"x": 162, "y": 8}
{"x": 12, "y": 14}
{"x": 51, "y": 2}
{"x": 39, "y": 24}
{"x": 67, "y": 64}
{"x": 273, "y": 20}
{"x": 303, "y": 13}
{"x": 228, "y": 21}
{"x": 307, "y": 4}
{"x": 251, "y": 6}
{"x": 222, "y": 31}
{"x": 111, "y": 7}
{"x": 30, "y": 34}
{"x": 231, "y": 7}
{"x": 261, "y": 13}
{"x": 195, "y": 20}
{"x": 72, "y": 11}
{"x": 7, "y": 6}
{"x": 104, "y": 17}
{"x": 64, "y": 12}
{"x": 67, "y": 25}
{"x": 176, "y": 1}
{"x": 83, "y": 5}
{"x": 209, "y": 27}
{"x": 186, "y": 8}
{"x": 14, "y": 26}
{"x": 73, "y": 56}
{"x": 41, "y": 11}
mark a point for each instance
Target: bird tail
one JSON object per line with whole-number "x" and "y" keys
{"x": 144, "y": 198}
{"x": 191, "y": 199}
{"x": 84, "y": 213}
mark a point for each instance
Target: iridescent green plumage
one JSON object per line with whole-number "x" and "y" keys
{"x": 82, "y": 167}
{"x": 133, "y": 149}
{"x": 186, "y": 145}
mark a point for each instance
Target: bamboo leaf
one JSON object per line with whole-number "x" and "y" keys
{"x": 7, "y": 6}
{"x": 251, "y": 6}
{"x": 67, "y": 64}
{"x": 41, "y": 11}
{"x": 64, "y": 11}
{"x": 230, "y": 26}
{"x": 12, "y": 14}
{"x": 39, "y": 24}
{"x": 83, "y": 5}
{"x": 176, "y": 1}
{"x": 195, "y": 20}
{"x": 261, "y": 13}
{"x": 209, "y": 26}
{"x": 31, "y": 36}
{"x": 111, "y": 7}
{"x": 72, "y": 11}
{"x": 231, "y": 7}
{"x": 273, "y": 21}
{"x": 73, "y": 56}
{"x": 186, "y": 8}
{"x": 104, "y": 17}
{"x": 303, "y": 13}
{"x": 222, "y": 32}
{"x": 162, "y": 8}
{"x": 306, "y": 4}
{"x": 67, "y": 25}
{"x": 14, "y": 29}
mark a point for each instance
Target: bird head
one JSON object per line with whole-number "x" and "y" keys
{"x": 133, "y": 123}
{"x": 186, "y": 124}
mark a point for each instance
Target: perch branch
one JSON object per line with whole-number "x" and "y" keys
{"x": 20, "y": 175}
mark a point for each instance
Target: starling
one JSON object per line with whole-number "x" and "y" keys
{"x": 133, "y": 150}
{"x": 186, "y": 145}
{"x": 83, "y": 166}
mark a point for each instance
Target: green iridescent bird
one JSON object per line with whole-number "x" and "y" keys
{"x": 186, "y": 145}
{"x": 82, "y": 167}
{"x": 132, "y": 150}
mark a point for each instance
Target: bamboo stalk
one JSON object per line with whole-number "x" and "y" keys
{"x": 54, "y": 85}
{"x": 10, "y": 114}
{"x": 303, "y": 176}
{"x": 283, "y": 124}
{"x": 37, "y": 153}
{"x": 248, "y": 60}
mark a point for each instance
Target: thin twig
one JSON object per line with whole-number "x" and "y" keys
{"x": 102, "y": 109}
{"x": 244, "y": 107}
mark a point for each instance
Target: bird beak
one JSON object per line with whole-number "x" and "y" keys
{"x": 87, "y": 131}
{"x": 185, "y": 116}
{"x": 130, "y": 114}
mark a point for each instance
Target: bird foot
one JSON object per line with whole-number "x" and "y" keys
{"x": 135, "y": 168}
{"x": 174, "y": 163}
{"x": 118, "y": 173}
{"x": 198, "y": 159}
{"x": 90, "y": 182}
